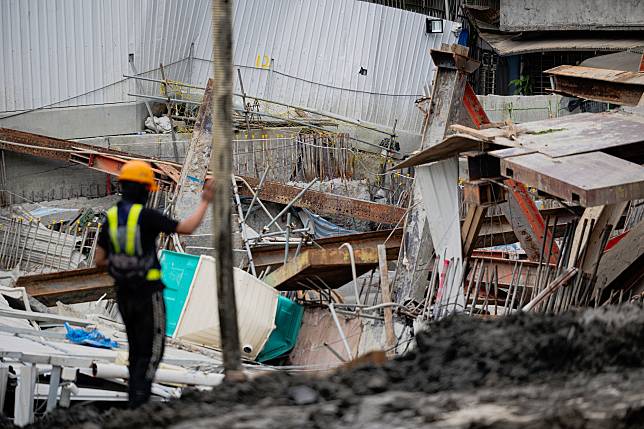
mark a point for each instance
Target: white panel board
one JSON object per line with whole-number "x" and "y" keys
{"x": 439, "y": 187}
{"x": 256, "y": 308}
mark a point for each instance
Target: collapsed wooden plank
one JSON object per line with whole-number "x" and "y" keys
{"x": 453, "y": 145}
{"x": 43, "y": 317}
{"x": 622, "y": 267}
{"x": 572, "y": 134}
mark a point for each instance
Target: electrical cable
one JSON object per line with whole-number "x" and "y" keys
{"x": 301, "y": 79}
{"x": 24, "y": 112}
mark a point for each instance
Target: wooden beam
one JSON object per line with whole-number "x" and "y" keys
{"x": 612, "y": 86}
{"x": 471, "y": 227}
{"x": 594, "y": 245}
{"x": 622, "y": 267}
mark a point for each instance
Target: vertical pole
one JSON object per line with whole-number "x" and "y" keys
{"x": 169, "y": 107}
{"x": 4, "y": 379}
{"x": 24, "y": 400}
{"x": 221, "y": 164}
{"x": 386, "y": 298}
{"x": 54, "y": 383}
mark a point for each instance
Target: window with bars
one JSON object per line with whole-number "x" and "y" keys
{"x": 535, "y": 64}
{"x": 487, "y": 72}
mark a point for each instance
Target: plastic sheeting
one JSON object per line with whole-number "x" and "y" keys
{"x": 321, "y": 227}
{"x": 92, "y": 338}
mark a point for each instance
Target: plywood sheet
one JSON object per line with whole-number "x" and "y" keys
{"x": 451, "y": 146}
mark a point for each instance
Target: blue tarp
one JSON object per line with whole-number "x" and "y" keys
{"x": 89, "y": 338}
{"x": 323, "y": 228}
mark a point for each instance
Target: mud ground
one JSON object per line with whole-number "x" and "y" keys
{"x": 583, "y": 370}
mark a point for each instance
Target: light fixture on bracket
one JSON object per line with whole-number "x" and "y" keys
{"x": 433, "y": 25}
{"x": 363, "y": 71}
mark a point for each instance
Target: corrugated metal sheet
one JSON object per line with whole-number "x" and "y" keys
{"x": 74, "y": 52}
{"x": 317, "y": 48}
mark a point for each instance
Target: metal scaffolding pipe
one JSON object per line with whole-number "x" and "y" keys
{"x": 167, "y": 376}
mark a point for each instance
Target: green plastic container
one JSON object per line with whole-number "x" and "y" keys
{"x": 177, "y": 271}
{"x": 288, "y": 320}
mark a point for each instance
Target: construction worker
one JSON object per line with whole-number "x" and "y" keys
{"x": 127, "y": 246}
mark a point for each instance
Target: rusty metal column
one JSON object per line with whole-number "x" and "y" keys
{"x": 221, "y": 165}
{"x": 447, "y": 96}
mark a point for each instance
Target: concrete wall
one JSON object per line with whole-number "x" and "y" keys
{"x": 520, "y": 108}
{"x": 80, "y": 122}
{"x": 153, "y": 145}
{"x": 35, "y": 179}
{"x": 535, "y": 15}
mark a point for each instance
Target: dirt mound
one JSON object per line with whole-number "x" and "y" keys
{"x": 456, "y": 358}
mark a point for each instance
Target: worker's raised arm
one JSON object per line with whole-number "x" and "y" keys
{"x": 100, "y": 257}
{"x": 190, "y": 224}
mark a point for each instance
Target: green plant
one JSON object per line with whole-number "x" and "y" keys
{"x": 522, "y": 86}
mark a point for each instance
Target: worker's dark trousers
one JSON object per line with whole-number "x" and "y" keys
{"x": 144, "y": 318}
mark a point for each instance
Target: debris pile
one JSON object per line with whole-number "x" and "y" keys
{"x": 448, "y": 296}
{"x": 507, "y": 372}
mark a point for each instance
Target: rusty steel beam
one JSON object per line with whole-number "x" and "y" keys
{"x": 612, "y": 86}
{"x": 527, "y": 222}
{"x": 272, "y": 255}
{"x": 69, "y": 287}
{"x": 110, "y": 161}
{"x": 520, "y": 208}
{"x": 40, "y": 145}
{"x": 494, "y": 231}
{"x": 327, "y": 204}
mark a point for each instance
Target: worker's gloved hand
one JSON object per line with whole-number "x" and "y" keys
{"x": 208, "y": 191}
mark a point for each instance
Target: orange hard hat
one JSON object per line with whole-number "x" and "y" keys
{"x": 138, "y": 171}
